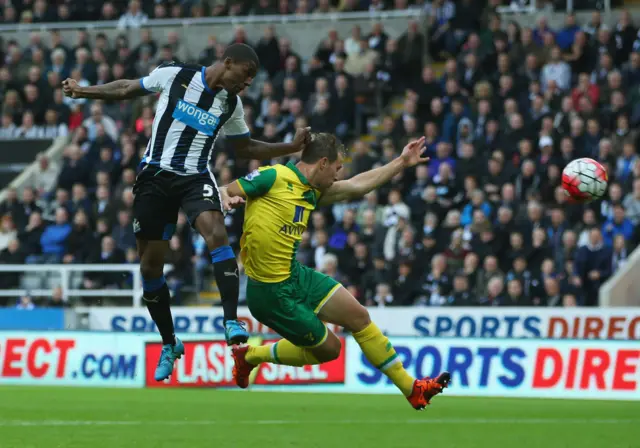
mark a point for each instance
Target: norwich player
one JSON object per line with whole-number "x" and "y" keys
{"x": 295, "y": 300}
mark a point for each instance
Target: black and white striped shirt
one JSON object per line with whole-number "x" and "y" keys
{"x": 189, "y": 117}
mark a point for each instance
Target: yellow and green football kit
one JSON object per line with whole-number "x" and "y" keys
{"x": 282, "y": 293}
{"x": 286, "y": 295}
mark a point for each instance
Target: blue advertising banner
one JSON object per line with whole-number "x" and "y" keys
{"x": 38, "y": 319}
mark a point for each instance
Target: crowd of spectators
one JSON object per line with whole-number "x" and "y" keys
{"x": 484, "y": 223}
{"x": 136, "y": 13}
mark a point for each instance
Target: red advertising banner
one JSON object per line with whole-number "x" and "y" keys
{"x": 210, "y": 364}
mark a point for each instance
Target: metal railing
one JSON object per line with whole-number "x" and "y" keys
{"x": 65, "y": 272}
{"x": 529, "y": 7}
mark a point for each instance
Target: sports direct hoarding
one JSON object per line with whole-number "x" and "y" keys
{"x": 520, "y": 323}
{"x": 208, "y": 363}
{"x": 70, "y": 358}
{"x": 479, "y": 367}
{"x": 525, "y": 368}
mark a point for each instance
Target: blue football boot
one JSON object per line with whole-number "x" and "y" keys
{"x": 168, "y": 356}
{"x": 235, "y": 332}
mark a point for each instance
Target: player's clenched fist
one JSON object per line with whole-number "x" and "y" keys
{"x": 69, "y": 87}
{"x": 302, "y": 137}
{"x": 230, "y": 202}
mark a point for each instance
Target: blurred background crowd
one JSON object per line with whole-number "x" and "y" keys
{"x": 134, "y": 13}
{"x": 503, "y": 109}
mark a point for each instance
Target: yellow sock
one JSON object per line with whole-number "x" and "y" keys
{"x": 282, "y": 352}
{"x": 379, "y": 351}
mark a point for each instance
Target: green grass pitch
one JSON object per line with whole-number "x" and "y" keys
{"x": 39, "y": 417}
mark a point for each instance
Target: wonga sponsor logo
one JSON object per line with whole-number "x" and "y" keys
{"x": 196, "y": 118}
{"x": 69, "y": 358}
{"x": 210, "y": 364}
{"x": 567, "y": 369}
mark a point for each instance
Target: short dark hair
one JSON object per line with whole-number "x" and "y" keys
{"x": 322, "y": 145}
{"x": 241, "y": 53}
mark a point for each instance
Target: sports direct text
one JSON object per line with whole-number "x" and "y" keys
{"x": 522, "y": 323}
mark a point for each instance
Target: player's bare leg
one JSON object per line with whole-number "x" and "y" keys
{"x": 344, "y": 310}
{"x": 282, "y": 352}
{"x": 158, "y": 301}
{"x": 210, "y": 224}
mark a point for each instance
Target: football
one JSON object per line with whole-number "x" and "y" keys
{"x": 584, "y": 180}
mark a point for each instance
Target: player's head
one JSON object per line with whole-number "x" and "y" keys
{"x": 241, "y": 65}
{"x": 324, "y": 154}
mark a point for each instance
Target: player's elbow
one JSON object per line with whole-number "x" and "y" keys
{"x": 243, "y": 149}
{"x": 354, "y": 190}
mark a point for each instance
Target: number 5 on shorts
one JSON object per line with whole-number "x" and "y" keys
{"x": 208, "y": 191}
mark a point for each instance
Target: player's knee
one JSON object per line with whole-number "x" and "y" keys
{"x": 150, "y": 269}
{"x": 358, "y": 320}
{"x": 216, "y": 237}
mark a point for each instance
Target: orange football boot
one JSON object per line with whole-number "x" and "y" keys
{"x": 427, "y": 388}
{"x": 241, "y": 368}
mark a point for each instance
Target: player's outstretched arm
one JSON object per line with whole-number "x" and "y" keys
{"x": 121, "y": 89}
{"x": 362, "y": 184}
{"x": 247, "y": 148}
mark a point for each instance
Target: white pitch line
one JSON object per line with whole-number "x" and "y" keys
{"x": 426, "y": 421}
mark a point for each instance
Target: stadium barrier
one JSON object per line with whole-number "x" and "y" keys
{"x": 622, "y": 289}
{"x": 483, "y": 323}
{"x": 63, "y": 275}
{"x": 479, "y": 367}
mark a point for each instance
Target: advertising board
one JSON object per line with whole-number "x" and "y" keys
{"x": 208, "y": 363}
{"x": 37, "y": 319}
{"x": 71, "y": 358}
{"x": 510, "y": 368}
{"x": 479, "y": 367}
{"x": 520, "y": 323}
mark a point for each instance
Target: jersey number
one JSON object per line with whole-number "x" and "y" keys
{"x": 298, "y": 216}
{"x": 208, "y": 191}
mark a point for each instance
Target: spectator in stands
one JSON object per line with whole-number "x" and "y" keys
{"x": 13, "y": 254}
{"x": 122, "y": 232}
{"x": 618, "y": 224}
{"x": 8, "y": 231}
{"x": 28, "y": 129}
{"x": 134, "y": 17}
{"x": 57, "y": 299}
{"x": 54, "y": 238}
{"x": 75, "y": 168}
{"x": 357, "y": 62}
{"x": 31, "y": 234}
{"x": 80, "y": 241}
{"x": 45, "y": 176}
{"x": 106, "y": 253}
{"x": 25, "y": 303}
{"x": 98, "y": 117}
{"x": 8, "y": 130}
{"x": 593, "y": 266}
